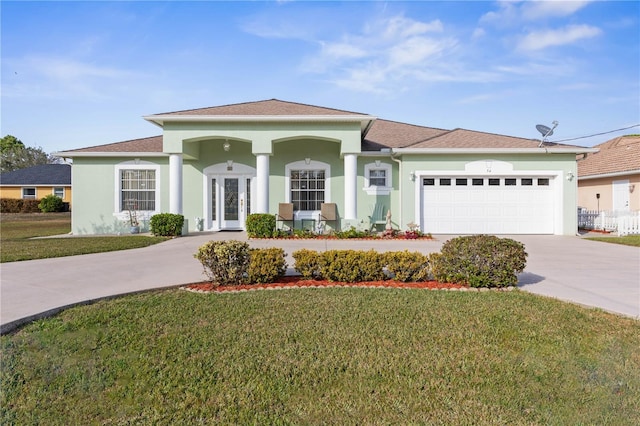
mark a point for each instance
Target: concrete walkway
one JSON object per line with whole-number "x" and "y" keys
{"x": 589, "y": 273}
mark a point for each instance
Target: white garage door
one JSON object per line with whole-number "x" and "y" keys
{"x": 482, "y": 205}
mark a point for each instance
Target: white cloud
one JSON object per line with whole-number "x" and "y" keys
{"x": 532, "y": 10}
{"x": 57, "y": 77}
{"x": 538, "y": 40}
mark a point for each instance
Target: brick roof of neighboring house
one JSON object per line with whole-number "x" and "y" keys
{"x": 621, "y": 154}
{"x": 382, "y": 134}
{"x": 44, "y": 174}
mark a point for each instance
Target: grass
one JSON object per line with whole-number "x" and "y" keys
{"x": 331, "y": 356}
{"x": 628, "y": 240}
{"x": 16, "y": 231}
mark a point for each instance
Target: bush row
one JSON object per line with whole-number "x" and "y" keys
{"x": 476, "y": 261}
{"x": 18, "y": 205}
{"x": 233, "y": 262}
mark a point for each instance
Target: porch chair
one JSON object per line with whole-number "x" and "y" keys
{"x": 285, "y": 213}
{"x": 327, "y": 214}
{"x": 378, "y": 216}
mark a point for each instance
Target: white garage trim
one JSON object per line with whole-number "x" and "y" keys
{"x": 555, "y": 186}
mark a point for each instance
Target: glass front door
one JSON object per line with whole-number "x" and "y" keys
{"x": 229, "y": 197}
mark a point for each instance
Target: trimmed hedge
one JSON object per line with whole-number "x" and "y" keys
{"x": 18, "y": 205}
{"x": 224, "y": 262}
{"x": 479, "y": 261}
{"x": 352, "y": 265}
{"x": 266, "y": 265}
{"x": 260, "y": 225}
{"x": 233, "y": 263}
{"x": 408, "y": 266}
{"x": 166, "y": 224}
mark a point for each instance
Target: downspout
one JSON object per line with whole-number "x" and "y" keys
{"x": 393, "y": 158}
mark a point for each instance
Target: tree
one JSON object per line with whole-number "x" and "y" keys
{"x": 15, "y": 155}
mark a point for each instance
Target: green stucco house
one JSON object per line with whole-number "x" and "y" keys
{"x": 218, "y": 165}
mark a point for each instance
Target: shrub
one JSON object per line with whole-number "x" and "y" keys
{"x": 407, "y": 266}
{"x": 166, "y": 224}
{"x": 224, "y": 262}
{"x": 480, "y": 261}
{"x": 260, "y": 225}
{"x": 266, "y": 265}
{"x": 307, "y": 263}
{"x": 352, "y": 232}
{"x": 352, "y": 265}
{"x": 50, "y": 204}
{"x": 18, "y": 205}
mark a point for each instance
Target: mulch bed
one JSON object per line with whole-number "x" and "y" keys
{"x": 299, "y": 282}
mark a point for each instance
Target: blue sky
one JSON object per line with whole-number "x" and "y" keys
{"x": 77, "y": 74}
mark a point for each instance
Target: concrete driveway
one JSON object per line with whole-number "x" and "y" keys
{"x": 589, "y": 273}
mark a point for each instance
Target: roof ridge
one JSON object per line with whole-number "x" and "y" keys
{"x": 258, "y": 102}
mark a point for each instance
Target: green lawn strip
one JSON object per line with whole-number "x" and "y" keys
{"x": 627, "y": 240}
{"x": 330, "y": 356}
{"x": 15, "y": 250}
{"x": 17, "y": 231}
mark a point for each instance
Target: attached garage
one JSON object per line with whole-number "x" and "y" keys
{"x": 468, "y": 204}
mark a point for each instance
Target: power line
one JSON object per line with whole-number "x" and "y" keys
{"x": 597, "y": 134}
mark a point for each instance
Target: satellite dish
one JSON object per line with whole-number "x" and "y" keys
{"x": 544, "y": 130}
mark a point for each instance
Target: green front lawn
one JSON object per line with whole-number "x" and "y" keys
{"x": 628, "y": 240}
{"x": 17, "y": 231}
{"x": 330, "y": 356}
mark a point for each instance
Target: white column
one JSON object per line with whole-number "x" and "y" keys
{"x": 175, "y": 183}
{"x": 350, "y": 183}
{"x": 262, "y": 187}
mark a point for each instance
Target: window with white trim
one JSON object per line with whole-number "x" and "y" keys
{"x": 29, "y": 193}
{"x": 307, "y": 189}
{"x": 58, "y": 191}
{"x": 377, "y": 178}
{"x": 307, "y": 186}
{"x": 138, "y": 189}
{"x": 137, "y": 186}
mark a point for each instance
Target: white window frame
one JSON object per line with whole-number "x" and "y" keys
{"x": 53, "y": 191}
{"x": 307, "y": 165}
{"x": 119, "y": 212}
{"x": 374, "y": 189}
{"x": 35, "y": 193}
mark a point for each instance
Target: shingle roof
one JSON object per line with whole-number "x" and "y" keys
{"x": 462, "y": 138}
{"x": 266, "y": 107}
{"x": 621, "y": 154}
{"x": 45, "y": 174}
{"x": 392, "y": 134}
{"x": 382, "y": 134}
{"x": 150, "y": 144}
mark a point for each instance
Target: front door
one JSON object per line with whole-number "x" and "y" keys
{"x": 621, "y": 195}
{"x": 232, "y": 197}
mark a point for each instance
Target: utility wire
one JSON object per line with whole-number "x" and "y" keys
{"x": 596, "y": 134}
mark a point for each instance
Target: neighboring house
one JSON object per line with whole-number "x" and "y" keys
{"x": 218, "y": 165}
{"x": 37, "y": 182}
{"x": 610, "y": 179}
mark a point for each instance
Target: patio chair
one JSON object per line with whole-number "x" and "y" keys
{"x": 327, "y": 214}
{"x": 378, "y": 216}
{"x": 285, "y": 213}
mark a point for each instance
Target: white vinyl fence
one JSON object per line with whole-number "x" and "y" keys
{"x": 624, "y": 223}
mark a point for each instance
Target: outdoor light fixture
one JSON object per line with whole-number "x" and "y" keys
{"x": 229, "y": 164}
{"x": 226, "y": 146}
{"x": 412, "y": 176}
{"x": 631, "y": 187}
{"x": 570, "y": 176}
